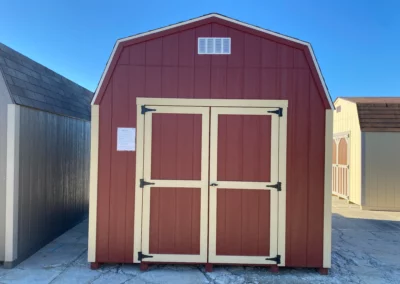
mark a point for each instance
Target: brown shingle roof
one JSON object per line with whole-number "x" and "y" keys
{"x": 378, "y": 114}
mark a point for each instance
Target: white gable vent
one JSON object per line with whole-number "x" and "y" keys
{"x": 214, "y": 45}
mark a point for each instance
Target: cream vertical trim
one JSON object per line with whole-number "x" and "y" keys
{"x": 202, "y": 184}
{"x": 328, "y": 190}
{"x": 137, "y": 230}
{"x": 282, "y": 193}
{"x": 12, "y": 183}
{"x": 94, "y": 167}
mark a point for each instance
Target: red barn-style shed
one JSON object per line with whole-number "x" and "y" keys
{"x": 211, "y": 143}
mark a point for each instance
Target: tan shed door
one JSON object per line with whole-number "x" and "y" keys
{"x": 341, "y": 165}
{"x": 175, "y": 184}
{"x": 243, "y": 222}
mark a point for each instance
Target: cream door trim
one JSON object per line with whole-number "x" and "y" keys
{"x": 137, "y": 230}
{"x": 202, "y": 184}
{"x": 282, "y": 194}
{"x": 328, "y": 190}
{"x": 212, "y": 102}
{"x": 275, "y": 198}
{"x": 94, "y": 167}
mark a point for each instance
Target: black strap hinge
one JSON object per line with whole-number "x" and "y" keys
{"x": 144, "y": 183}
{"x": 278, "y": 186}
{"x": 279, "y": 111}
{"x": 277, "y": 259}
{"x": 145, "y": 109}
{"x": 141, "y": 256}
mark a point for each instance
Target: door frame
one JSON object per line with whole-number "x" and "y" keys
{"x": 202, "y": 183}
{"x": 245, "y": 185}
{"x": 283, "y": 104}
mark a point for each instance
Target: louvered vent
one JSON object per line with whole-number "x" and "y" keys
{"x": 214, "y": 45}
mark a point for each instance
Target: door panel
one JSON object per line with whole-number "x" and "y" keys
{"x": 178, "y": 157}
{"x": 243, "y": 175}
{"x": 340, "y": 165}
{"x": 175, "y": 202}
{"x": 240, "y": 155}
{"x": 175, "y": 220}
{"x": 243, "y": 222}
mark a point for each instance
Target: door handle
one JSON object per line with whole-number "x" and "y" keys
{"x": 214, "y": 184}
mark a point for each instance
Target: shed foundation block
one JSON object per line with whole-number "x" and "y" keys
{"x": 209, "y": 267}
{"x": 144, "y": 266}
{"x": 323, "y": 271}
{"x": 274, "y": 269}
{"x": 94, "y": 265}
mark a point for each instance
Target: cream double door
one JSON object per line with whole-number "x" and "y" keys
{"x": 208, "y": 182}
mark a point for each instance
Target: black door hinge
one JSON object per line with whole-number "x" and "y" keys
{"x": 145, "y": 109}
{"x": 279, "y": 111}
{"x": 141, "y": 256}
{"x": 277, "y": 259}
{"x": 278, "y": 186}
{"x": 144, "y": 183}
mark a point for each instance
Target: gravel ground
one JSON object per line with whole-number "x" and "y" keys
{"x": 366, "y": 249}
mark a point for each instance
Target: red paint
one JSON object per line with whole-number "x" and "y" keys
{"x": 94, "y": 265}
{"x": 176, "y": 147}
{"x": 323, "y": 271}
{"x": 175, "y": 221}
{"x": 261, "y": 66}
{"x": 244, "y": 148}
{"x": 274, "y": 269}
{"x": 209, "y": 267}
{"x": 243, "y": 221}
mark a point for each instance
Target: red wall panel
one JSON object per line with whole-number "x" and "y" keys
{"x": 243, "y": 222}
{"x": 168, "y": 66}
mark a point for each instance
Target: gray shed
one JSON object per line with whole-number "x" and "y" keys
{"x": 44, "y": 155}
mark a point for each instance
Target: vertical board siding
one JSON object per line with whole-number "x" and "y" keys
{"x": 347, "y": 121}
{"x": 316, "y": 177}
{"x": 381, "y": 176}
{"x": 175, "y": 221}
{"x": 53, "y": 177}
{"x": 244, "y": 148}
{"x": 176, "y": 147}
{"x": 243, "y": 222}
{"x": 258, "y": 68}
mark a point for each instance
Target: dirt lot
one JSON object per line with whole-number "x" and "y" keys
{"x": 366, "y": 249}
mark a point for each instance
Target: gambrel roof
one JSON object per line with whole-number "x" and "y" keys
{"x": 121, "y": 43}
{"x": 33, "y": 85}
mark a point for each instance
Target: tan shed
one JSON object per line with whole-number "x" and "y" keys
{"x": 366, "y": 152}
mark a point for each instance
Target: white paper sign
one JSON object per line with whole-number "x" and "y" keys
{"x": 126, "y": 139}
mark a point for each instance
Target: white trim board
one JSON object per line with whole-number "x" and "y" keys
{"x": 327, "y": 242}
{"x": 119, "y": 41}
{"x": 12, "y": 183}
{"x": 94, "y": 164}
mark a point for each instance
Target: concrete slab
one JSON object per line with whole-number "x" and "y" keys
{"x": 366, "y": 249}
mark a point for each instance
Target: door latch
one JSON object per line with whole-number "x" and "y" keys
{"x": 214, "y": 184}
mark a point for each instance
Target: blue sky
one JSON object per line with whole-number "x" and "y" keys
{"x": 356, "y": 42}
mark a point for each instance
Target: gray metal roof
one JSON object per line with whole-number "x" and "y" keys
{"x": 33, "y": 85}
